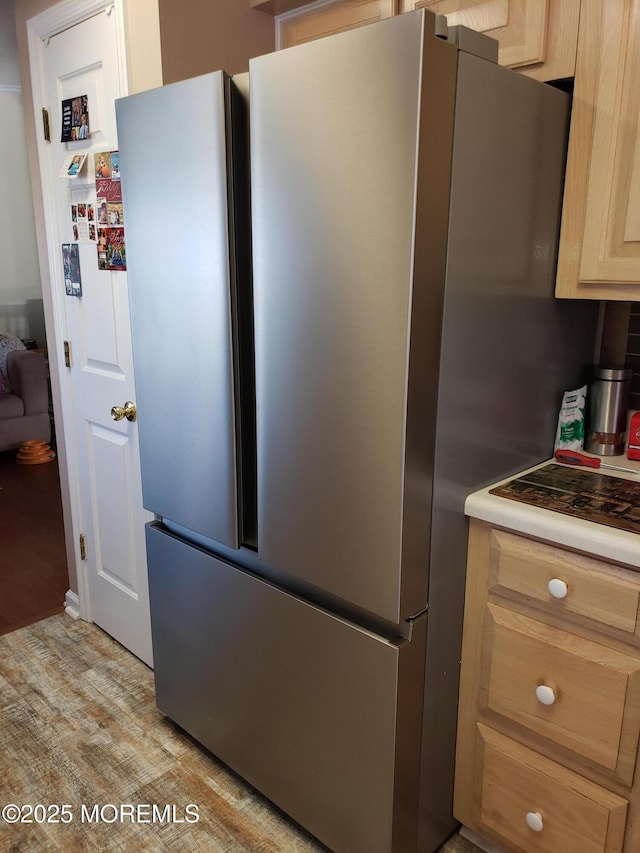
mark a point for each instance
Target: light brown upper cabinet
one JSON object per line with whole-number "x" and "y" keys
{"x": 600, "y": 238}
{"x": 309, "y": 24}
{"x": 538, "y": 37}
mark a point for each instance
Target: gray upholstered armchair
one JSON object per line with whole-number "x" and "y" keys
{"x": 24, "y": 410}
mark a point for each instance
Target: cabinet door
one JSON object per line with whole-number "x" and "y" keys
{"x": 600, "y": 239}
{"x": 310, "y": 24}
{"x": 538, "y": 37}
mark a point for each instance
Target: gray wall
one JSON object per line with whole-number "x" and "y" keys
{"x": 21, "y": 311}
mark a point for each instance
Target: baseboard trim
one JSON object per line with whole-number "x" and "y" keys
{"x": 471, "y": 836}
{"x": 72, "y": 604}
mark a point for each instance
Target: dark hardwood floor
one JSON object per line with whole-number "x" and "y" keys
{"x": 33, "y": 563}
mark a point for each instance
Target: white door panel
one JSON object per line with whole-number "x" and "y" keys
{"x": 87, "y": 59}
{"x": 110, "y": 465}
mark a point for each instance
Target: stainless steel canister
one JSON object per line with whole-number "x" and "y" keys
{"x": 608, "y": 405}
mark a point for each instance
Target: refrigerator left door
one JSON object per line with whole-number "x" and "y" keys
{"x": 173, "y": 160}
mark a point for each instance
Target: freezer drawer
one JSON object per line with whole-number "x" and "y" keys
{"x": 300, "y": 703}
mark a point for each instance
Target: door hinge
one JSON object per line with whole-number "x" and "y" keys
{"x": 67, "y": 354}
{"x": 83, "y": 547}
{"x": 46, "y": 127}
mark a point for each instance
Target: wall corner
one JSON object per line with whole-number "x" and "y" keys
{"x": 144, "y": 55}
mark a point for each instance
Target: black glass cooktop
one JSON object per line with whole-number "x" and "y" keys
{"x": 580, "y": 493}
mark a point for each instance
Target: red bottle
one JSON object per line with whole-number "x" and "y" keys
{"x": 633, "y": 450}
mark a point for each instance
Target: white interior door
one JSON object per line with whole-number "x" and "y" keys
{"x": 88, "y": 59}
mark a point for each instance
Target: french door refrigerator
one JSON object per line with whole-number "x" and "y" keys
{"x": 323, "y": 374}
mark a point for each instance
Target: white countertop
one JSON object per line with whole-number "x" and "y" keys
{"x": 587, "y": 536}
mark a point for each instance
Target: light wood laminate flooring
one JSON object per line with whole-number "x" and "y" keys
{"x": 79, "y": 726}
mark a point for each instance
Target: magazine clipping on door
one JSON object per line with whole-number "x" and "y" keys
{"x": 110, "y": 218}
{"x": 75, "y": 119}
{"x": 83, "y": 222}
{"x": 102, "y": 221}
{"x": 71, "y": 265}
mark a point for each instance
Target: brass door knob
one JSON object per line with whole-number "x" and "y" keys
{"x": 127, "y": 411}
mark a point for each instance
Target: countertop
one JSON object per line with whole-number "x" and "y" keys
{"x": 593, "y": 539}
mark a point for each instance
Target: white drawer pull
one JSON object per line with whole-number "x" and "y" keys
{"x": 557, "y": 588}
{"x": 534, "y": 821}
{"x": 545, "y": 695}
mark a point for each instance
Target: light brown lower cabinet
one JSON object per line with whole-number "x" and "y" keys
{"x": 537, "y": 804}
{"x": 549, "y": 712}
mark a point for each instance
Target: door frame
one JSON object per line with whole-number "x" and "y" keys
{"x": 40, "y": 28}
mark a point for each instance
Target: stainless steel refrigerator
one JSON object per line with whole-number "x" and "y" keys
{"x": 323, "y": 374}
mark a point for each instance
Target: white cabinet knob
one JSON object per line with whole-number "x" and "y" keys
{"x": 534, "y": 821}
{"x": 557, "y": 588}
{"x": 545, "y": 695}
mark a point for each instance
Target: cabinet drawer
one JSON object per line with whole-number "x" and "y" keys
{"x": 593, "y": 691}
{"x": 572, "y": 814}
{"x": 597, "y": 590}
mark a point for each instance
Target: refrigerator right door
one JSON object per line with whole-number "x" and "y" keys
{"x": 334, "y": 165}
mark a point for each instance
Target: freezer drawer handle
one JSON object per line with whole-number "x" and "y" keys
{"x": 127, "y": 411}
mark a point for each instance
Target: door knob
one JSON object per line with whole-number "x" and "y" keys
{"x": 127, "y": 411}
